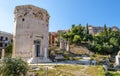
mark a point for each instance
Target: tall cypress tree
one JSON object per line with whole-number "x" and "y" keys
{"x": 87, "y": 30}
{"x": 106, "y": 33}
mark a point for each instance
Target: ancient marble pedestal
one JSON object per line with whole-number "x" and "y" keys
{"x": 117, "y": 59}
{"x": 37, "y": 60}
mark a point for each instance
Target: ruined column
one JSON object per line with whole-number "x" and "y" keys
{"x": 3, "y": 53}
{"x": 45, "y": 53}
{"x": 68, "y": 46}
{"x": 60, "y": 44}
{"x": 33, "y": 52}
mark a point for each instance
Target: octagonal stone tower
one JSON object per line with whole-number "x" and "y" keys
{"x": 31, "y": 33}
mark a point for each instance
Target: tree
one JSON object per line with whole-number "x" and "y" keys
{"x": 114, "y": 41}
{"x": 77, "y": 39}
{"x": 106, "y": 42}
{"x": 13, "y": 67}
{"x": 105, "y": 28}
{"x": 105, "y": 32}
{"x": 75, "y": 34}
{"x": 107, "y": 48}
{"x": 87, "y": 30}
{"x": 8, "y": 50}
{"x": 98, "y": 48}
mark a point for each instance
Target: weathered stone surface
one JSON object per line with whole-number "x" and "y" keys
{"x": 31, "y": 28}
{"x": 117, "y": 59}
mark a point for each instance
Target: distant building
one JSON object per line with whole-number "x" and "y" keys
{"x": 5, "y": 39}
{"x": 114, "y": 28}
{"x": 53, "y": 36}
{"x": 95, "y": 30}
{"x": 62, "y": 31}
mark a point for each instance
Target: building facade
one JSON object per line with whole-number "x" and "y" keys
{"x": 31, "y": 33}
{"x": 95, "y": 30}
{"x": 5, "y": 39}
{"x": 53, "y": 37}
{"x": 114, "y": 28}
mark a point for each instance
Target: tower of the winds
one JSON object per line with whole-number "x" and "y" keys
{"x": 31, "y": 33}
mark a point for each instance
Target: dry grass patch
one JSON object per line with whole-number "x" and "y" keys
{"x": 95, "y": 71}
{"x": 73, "y": 70}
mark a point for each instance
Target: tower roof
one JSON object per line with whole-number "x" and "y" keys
{"x": 24, "y": 9}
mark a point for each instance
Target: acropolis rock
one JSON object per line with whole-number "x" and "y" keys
{"x": 31, "y": 34}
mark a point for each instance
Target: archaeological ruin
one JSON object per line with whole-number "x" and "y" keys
{"x": 31, "y": 34}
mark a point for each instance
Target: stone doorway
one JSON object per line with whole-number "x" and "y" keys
{"x": 37, "y": 48}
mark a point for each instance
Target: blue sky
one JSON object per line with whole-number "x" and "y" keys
{"x": 64, "y": 13}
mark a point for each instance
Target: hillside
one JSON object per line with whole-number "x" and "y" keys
{"x": 80, "y": 49}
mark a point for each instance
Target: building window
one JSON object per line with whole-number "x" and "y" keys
{"x": 1, "y": 45}
{"x": 6, "y": 38}
{"x": 37, "y": 47}
{"x": 23, "y": 19}
{"x": 5, "y": 44}
{"x": 1, "y": 38}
